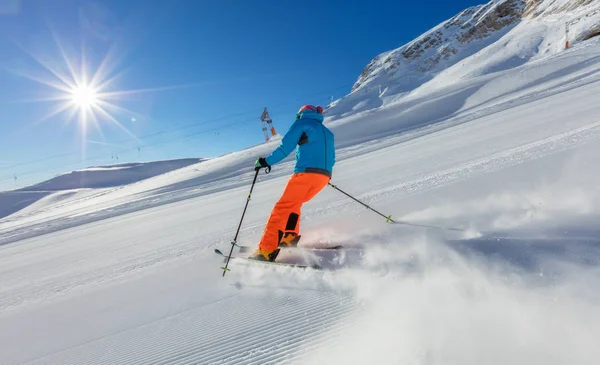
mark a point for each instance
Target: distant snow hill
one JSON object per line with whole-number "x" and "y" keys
{"x": 112, "y": 175}
{"x": 93, "y": 177}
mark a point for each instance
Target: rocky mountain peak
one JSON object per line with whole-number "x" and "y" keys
{"x": 441, "y": 43}
{"x": 461, "y": 36}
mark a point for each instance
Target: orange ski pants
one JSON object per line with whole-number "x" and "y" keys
{"x": 285, "y": 216}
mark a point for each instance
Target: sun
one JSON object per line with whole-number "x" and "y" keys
{"x": 84, "y": 97}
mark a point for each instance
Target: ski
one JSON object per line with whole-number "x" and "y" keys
{"x": 298, "y": 266}
{"x": 243, "y": 249}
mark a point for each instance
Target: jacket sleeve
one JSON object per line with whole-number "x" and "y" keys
{"x": 288, "y": 143}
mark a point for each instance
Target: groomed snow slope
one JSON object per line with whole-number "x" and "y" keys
{"x": 129, "y": 277}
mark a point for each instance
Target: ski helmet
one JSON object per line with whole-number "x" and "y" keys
{"x": 316, "y": 109}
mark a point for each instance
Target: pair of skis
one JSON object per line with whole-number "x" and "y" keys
{"x": 243, "y": 249}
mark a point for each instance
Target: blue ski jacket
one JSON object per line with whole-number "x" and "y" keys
{"x": 315, "y": 150}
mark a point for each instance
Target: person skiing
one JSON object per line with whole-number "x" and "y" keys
{"x": 315, "y": 157}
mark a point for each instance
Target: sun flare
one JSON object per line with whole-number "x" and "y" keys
{"x": 80, "y": 90}
{"x": 84, "y": 90}
{"x": 84, "y": 96}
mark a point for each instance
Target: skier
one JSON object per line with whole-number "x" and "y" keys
{"x": 315, "y": 157}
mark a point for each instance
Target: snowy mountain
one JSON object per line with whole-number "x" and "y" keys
{"x": 501, "y": 145}
{"x": 480, "y": 40}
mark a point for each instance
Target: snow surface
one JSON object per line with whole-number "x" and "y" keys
{"x": 127, "y": 276}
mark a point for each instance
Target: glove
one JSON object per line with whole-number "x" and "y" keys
{"x": 262, "y": 163}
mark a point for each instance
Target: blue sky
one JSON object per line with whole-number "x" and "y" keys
{"x": 189, "y": 77}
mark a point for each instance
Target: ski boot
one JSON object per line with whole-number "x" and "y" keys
{"x": 264, "y": 255}
{"x": 288, "y": 239}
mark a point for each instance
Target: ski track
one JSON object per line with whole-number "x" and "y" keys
{"x": 227, "y": 331}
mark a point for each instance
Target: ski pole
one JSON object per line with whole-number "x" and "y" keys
{"x": 234, "y": 242}
{"x": 388, "y": 218}
{"x": 428, "y": 226}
